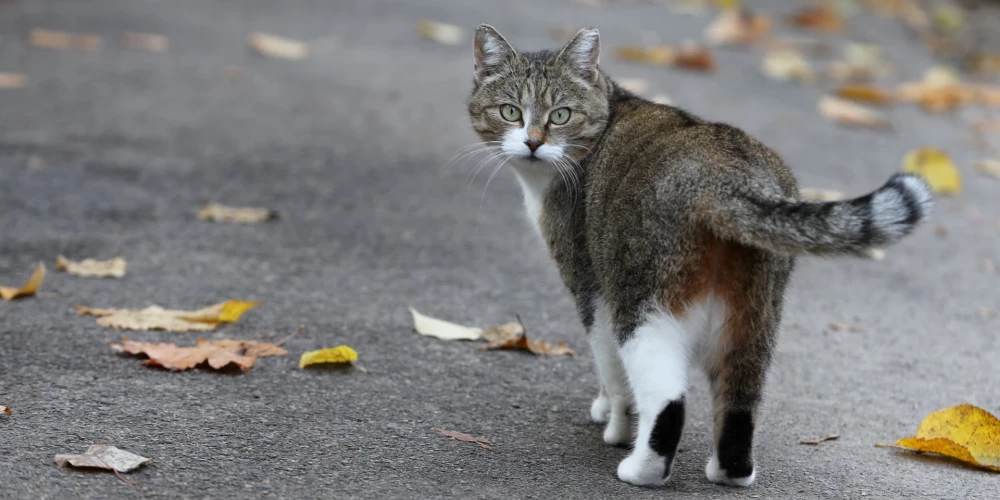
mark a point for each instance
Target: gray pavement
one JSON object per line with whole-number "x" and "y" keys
{"x": 350, "y": 146}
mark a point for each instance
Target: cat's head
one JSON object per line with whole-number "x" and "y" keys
{"x": 543, "y": 106}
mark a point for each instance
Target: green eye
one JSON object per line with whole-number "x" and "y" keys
{"x": 559, "y": 116}
{"x": 510, "y": 113}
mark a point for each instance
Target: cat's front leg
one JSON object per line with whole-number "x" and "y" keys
{"x": 611, "y": 404}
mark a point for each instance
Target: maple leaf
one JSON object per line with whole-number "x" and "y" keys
{"x": 102, "y": 456}
{"x": 509, "y": 338}
{"x": 336, "y": 355}
{"x": 218, "y": 354}
{"x": 962, "y": 432}
{"x": 158, "y": 318}
{"x": 465, "y": 438}
{"x": 28, "y": 288}
{"x": 114, "y": 268}
{"x": 244, "y": 215}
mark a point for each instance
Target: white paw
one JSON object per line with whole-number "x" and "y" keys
{"x": 618, "y": 432}
{"x": 600, "y": 409}
{"x": 643, "y": 469}
{"x": 718, "y": 476}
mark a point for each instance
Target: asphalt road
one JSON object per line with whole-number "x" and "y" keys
{"x": 350, "y": 146}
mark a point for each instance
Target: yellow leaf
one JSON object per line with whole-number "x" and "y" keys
{"x": 247, "y": 215}
{"x": 28, "y": 288}
{"x": 13, "y": 80}
{"x": 278, "y": 47}
{"x": 444, "y": 330}
{"x": 936, "y": 168}
{"x": 963, "y": 432}
{"x": 339, "y": 354}
{"x": 865, "y": 93}
{"x": 158, "y": 318}
{"x": 786, "y": 64}
{"x": 114, "y": 268}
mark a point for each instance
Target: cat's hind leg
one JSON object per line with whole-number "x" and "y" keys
{"x": 611, "y": 405}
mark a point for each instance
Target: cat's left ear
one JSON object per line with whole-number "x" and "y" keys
{"x": 582, "y": 53}
{"x": 490, "y": 50}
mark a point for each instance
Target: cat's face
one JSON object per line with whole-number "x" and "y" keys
{"x": 545, "y": 107}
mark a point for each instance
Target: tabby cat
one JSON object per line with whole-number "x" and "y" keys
{"x": 676, "y": 237}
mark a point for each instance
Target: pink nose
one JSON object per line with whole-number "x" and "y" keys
{"x": 532, "y": 144}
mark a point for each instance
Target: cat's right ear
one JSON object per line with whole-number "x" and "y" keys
{"x": 491, "y": 51}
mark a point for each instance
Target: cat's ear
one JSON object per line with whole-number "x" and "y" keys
{"x": 582, "y": 53}
{"x": 491, "y": 50}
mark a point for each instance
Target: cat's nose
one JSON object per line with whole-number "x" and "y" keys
{"x": 532, "y": 144}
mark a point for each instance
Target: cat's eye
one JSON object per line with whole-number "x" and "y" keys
{"x": 559, "y": 116}
{"x": 510, "y": 112}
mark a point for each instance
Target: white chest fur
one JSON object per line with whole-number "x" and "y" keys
{"x": 534, "y": 179}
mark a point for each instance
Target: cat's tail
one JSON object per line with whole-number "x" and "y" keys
{"x": 848, "y": 227}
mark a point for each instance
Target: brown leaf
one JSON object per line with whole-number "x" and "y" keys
{"x": 505, "y": 332}
{"x": 844, "y": 327}
{"x": 846, "y": 112}
{"x": 158, "y": 318}
{"x": 102, "y": 456}
{"x": 114, "y": 268}
{"x": 6, "y": 409}
{"x": 244, "y": 215}
{"x": 831, "y": 437}
{"x": 148, "y": 42}
{"x": 695, "y": 58}
{"x": 217, "y": 353}
{"x": 28, "y": 288}
{"x": 278, "y": 47}
{"x": 657, "y": 55}
{"x": 59, "y": 40}
{"x": 13, "y": 81}
{"x": 736, "y": 27}
{"x": 865, "y": 93}
{"x": 820, "y": 17}
{"x": 465, "y": 438}
{"x": 520, "y": 342}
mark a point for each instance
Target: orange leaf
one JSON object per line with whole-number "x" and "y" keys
{"x": 865, "y": 93}
{"x": 822, "y": 18}
{"x": 695, "y": 57}
{"x": 509, "y": 337}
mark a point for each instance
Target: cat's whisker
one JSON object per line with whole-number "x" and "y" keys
{"x": 471, "y": 176}
{"x": 470, "y": 150}
{"x": 493, "y": 174}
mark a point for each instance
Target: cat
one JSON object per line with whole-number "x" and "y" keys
{"x": 675, "y": 236}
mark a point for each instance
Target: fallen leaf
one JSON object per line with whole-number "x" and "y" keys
{"x": 862, "y": 61}
{"x": 114, "y": 268}
{"x": 821, "y": 17}
{"x": 508, "y": 331}
{"x": 465, "y": 438}
{"x": 963, "y": 432}
{"x": 521, "y": 342}
{"x": 786, "y": 65}
{"x": 158, "y": 318}
{"x": 831, "y": 437}
{"x": 218, "y": 354}
{"x": 13, "y": 81}
{"x": 936, "y": 168}
{"x": 248, "y": 347}
{"x": 989, "y": 166}
{"x": 245, "y": 215}
{"x": 865, "y": 93}
{"x": 339, "y": 354}
{"x": 844, "y": 327}
{"x": 940, "y": 90}
{"x": 846, "y": 112}
{"x": 444, "y": 330}
{"x": 59, "y": 40}
{"x": 447, "y": 34}
{"x": 148, "y": 42}
{"x": 102, "y": 456}
{"x": 735, "y": 27}
{"x": 278, "y": 47}
{"x": 636, "y": 86}
{"x": 6, "y": 409}
{"x": 694, "y": 57}
{"x": 817, "y": 194}
{"x": 28, "y": 288}
{"x": 657, "y": 55}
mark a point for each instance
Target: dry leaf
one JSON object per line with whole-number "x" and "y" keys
{"x": 817, "y": 194}
{"x": 339, "y": 354}
{"x": 465, "y": 438}
{"x": 785, "y": 65}
{"x": 28, "y": 288}
{"x": 636, "y": 86}
{"x": 158, "y": 318}
{"x": 846, "y": 112}
{"x": 830, "y": 437}
{"x": 6, "y": 409}
{"x": 657, "y": 55}
{"x": 217, "y": 353}
{"x": 246, "y": 215}
{"x": 865, "y": 93}
{"x": 444, "y": 330}
{"x": 508, "y": 331}
{"x": 278, "y": 47}
{"x": 114, "y": 268}
{"x": 988, "y": 167}
{"x": 13, "y": 81}
{"x": 59, "y": 40}
{"x": 844, "y": 327}
{"x": 102, "y": 456}
{"x": 148, "y": 42}
{"x": 694, "y": 57}
{"x": 735, "y": 27}
{"x": 520, "y": 342}
{"x": 963, "y": 432}
{"x": 940, "y": 90}
{"x": 447, "y": 34}
{"x": 821, "y": 17}
{"x": 936, "y": 168}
